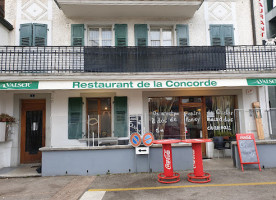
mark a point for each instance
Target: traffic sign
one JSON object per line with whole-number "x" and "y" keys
{"x": 142, "y": 150}
{"x": 148, "y": 139}
{"x": 135, "y": 139}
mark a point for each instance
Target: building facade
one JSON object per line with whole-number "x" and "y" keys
{"x": 81, "y": 76}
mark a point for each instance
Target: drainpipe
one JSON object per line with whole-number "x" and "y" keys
{"x": 253, "y": 22}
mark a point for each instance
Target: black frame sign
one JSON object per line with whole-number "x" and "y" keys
{"x": 247, "y": 149}
{"x": 135, "y": 124}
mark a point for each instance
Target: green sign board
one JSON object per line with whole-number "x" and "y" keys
{"x": 21, "y": 85}
{"x": 262, "y": 81}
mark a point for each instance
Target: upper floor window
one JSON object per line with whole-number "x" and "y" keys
{"x": 100, "y": 36}
{"x": 161, "y": 36}
{"x": 33, "y": 34}
{"x": 2, "y": 8}
{"x": 271, "y": 4}
{"x": 222, "y": 35}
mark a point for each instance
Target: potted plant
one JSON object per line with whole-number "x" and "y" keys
{"x": 5, "y": 119}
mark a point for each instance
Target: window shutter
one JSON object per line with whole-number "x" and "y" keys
{"x": 77, "y": 34}
{"x": 120, "y": 35}
{"x": 228, "y": 35}
{"x": 39, "y": 34}
{"x": 26, "y": 32}
{"x": 182, "y": 35}
{"x": 75, "y": 118}
{"x": 120, "y": 117}
{"x": 215, "y": 34}
{"x": 141, "y": 34}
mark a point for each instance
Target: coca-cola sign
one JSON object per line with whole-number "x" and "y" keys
{"x": 167, "y": 156}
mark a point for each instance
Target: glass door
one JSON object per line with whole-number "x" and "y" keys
{"x": 192, "y": 121}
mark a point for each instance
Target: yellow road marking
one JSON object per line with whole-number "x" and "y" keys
{"x": 185, "y": 186}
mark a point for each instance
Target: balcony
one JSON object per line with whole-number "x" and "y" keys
{"x": 62, "y": 59}
{"x": 129, "y": 8}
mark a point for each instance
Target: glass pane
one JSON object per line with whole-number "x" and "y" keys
{"x": 106, "y": 36}
{"x": 93, "y": 119}
{"x": 155, "y": 37}
{"x": 220, "y": 116}
{"x": 191, "y": 100}
{"x": 94, "y": 36}
{"x": 105, "y": 120}
{"x": 155, "y": 43}
{"x": 99, "y": 117}
{"x": 167, "y": 43}
{"x": 164, "y": 120}
{"x": 192, "y": 122}
{"x": 33, "y": 131}
{"x": 105, "y": 104}
{"x": 167, "y": 37}
{"x": 155, "y": 34}
{"x": 92, "y": 105}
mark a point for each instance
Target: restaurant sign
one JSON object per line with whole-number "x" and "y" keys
{"x": 19, "y": 85}
{"x": 141, "y": 84}
{"x": 261, "y": 81}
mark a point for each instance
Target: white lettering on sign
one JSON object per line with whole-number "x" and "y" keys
{"x": 247, "y": 137}
{"x": 194, "y": 165}
{"x": 167, "y": 155}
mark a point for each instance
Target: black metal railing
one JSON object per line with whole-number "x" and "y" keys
{"x": 64, "y": 59}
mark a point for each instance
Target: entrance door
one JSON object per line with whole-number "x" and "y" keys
{"x": 32, "y": 130}
{"x": 194, "y": 121}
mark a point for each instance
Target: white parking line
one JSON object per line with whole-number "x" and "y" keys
{"x": 95, "y": 195}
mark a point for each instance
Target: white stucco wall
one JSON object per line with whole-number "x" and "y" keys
{"x": 211, "y": 12}
{"x": 4, "y": 32}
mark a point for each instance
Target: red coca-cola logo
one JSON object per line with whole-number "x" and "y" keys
{"x": 167, "y": 156}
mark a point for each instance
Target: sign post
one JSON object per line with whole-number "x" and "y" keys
{"x": 247, "y": 149}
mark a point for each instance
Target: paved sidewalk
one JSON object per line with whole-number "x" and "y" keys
{"x": 227, "y": 183}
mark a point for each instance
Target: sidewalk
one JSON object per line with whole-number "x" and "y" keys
{"x": 227, "y": 183}
{"x": 22, "y": 171}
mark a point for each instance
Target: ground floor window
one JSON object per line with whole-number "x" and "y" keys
{"x": 220, "y": 116}
{"x": 99, "y": 117}
{"x": 191, "y": 117}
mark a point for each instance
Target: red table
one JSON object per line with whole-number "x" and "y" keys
{"x": 199, "y": 176}
{"x": 168, "y": 176}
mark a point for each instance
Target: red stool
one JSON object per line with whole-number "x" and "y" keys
{"x": 168, "y": 176}
{"x": 199, "y": 176}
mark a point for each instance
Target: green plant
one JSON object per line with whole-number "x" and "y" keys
{"x": 6, "y": 118}
{"x": 223, "y": 133}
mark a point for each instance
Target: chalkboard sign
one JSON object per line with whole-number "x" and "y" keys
{"x": 135, "y": 124}
{"x": 247, "y": 149}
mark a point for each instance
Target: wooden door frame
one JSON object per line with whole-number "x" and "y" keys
{"x": 203, "y": 120}
{"x": 29, "y": 105}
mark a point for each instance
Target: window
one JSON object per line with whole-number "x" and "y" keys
{"x": 33, "y": 34}
{"x": 99, "y": 117}
{"x": 164, "y": 118}
{"x": 161, "y": 36}
{"x": 222, "y": 35}
{"x": 100, "y": 36}
{"x": 220, "y": 115}
{"x": 2, "y": 8}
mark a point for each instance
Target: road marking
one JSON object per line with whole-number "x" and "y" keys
{"x": 95, "y": 195}
{"x": 185, "y": 186}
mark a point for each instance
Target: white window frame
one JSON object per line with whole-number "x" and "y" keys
{"x": 161, "y": 28}
{"x": 100, "y": 27}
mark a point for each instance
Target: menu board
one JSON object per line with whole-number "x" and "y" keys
{"x": 247, "y": 149}
{"x": 135, "y": 124}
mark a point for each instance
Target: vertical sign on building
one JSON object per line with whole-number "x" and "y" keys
{"x": 262, "y": 18}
